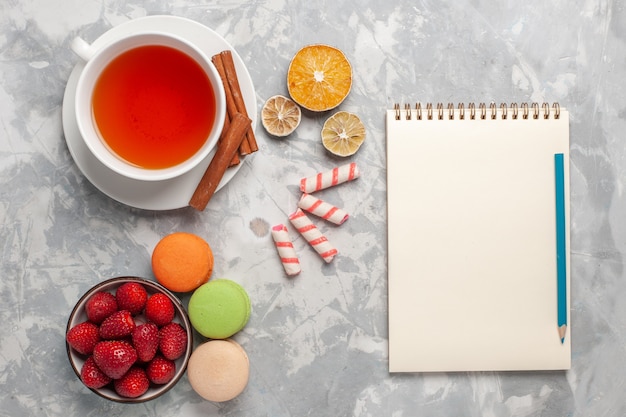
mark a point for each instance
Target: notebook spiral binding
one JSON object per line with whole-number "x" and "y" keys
{"x": 483, "y": 112}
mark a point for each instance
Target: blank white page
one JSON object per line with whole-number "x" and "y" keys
{"x": 472, "y": 243}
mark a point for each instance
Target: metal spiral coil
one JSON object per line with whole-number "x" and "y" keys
{"x": 514, "y": 111}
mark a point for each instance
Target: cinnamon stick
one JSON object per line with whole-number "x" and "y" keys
{"x": 230, "y": 106}
{"x": 233, "y": 83}
{"x": 235, "y": 160}
{"x": 239, "y": 125}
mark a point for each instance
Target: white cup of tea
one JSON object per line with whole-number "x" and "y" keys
{"x": 149, "y": 106}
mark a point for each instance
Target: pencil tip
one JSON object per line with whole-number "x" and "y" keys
{"x": 562, "y": 332}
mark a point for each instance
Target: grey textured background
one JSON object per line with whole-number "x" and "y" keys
{"x": 317, "y": 343}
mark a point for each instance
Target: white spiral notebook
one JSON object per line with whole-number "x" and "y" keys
{"x": 478, "y": 237}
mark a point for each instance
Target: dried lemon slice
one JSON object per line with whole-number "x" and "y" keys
{"x": 343, "y": 133}
{"x": 280, "y": 116}
{"x": 319, "y": 77}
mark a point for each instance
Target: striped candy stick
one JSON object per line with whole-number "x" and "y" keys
{"x": 286, "y": 251}
{"x": 322, "y": 209}
{"x": 330, "y": 178}
{"x": 313, "y": 235}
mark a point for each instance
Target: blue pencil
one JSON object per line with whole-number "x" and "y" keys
{"x": 561, "y": 255}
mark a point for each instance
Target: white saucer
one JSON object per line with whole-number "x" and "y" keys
{"x": 152, "y": 195}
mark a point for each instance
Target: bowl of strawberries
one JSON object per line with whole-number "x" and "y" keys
{"x": 129, "y": 339}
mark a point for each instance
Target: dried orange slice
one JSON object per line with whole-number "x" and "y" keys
{"x": 343, "y": 133}
{"x": 319, "y": 77}
{"x": 280, "y": 116}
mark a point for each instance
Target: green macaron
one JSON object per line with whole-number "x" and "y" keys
{"x": 219, "y": 309}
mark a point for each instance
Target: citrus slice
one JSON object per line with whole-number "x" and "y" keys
{"x": 343, "y": 133}
{"x": 280, "y": 116}
{"x": 319, "y": 77}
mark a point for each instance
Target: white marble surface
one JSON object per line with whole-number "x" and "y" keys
{"x": 317, "y": 343}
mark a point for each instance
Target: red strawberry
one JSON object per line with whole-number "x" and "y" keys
{"x": 100, "y": 306}
{"x": 114, "y": 357}
{"x": 159, "y": 309}
{"x": 146, "y": 341}
{"x": 160, "y": 370}
{"x": 133, "y": 384}
{"x": 83, "y": 337}
{"x": 92, "y": 376}
{"x": 131, "y": 296}
{"x": 173, "y": 341}
{"x": 118, "y": 325}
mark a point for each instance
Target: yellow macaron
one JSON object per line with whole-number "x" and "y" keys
{"x": 218, "y": 370}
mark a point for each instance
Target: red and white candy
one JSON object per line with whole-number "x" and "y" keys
{"x": 286, "y": 251}
{"x": 322, "y": 209}
{"x": 330, "y": 178}
{"x": 313, "y": 235}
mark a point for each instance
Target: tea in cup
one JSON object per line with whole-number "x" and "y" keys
{"x": 150, "y": 106}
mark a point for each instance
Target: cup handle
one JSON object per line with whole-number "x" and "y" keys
{"x": 82, "y": 49}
